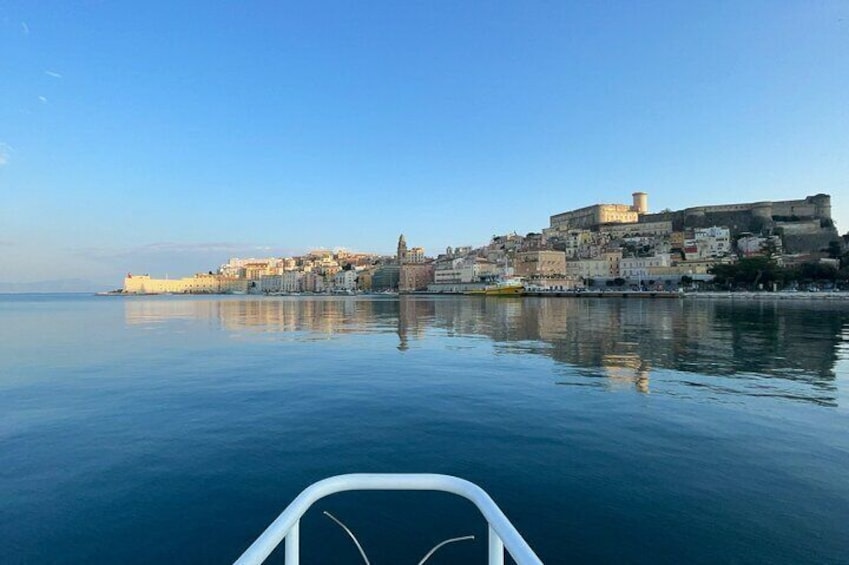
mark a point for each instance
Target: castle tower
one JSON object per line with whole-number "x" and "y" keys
{"x": 641, "y": 203}
{"x": 822, "y": 203}
{"x": 402, "y": 250}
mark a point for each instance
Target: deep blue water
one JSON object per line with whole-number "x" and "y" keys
{"x": 175, "y": 429}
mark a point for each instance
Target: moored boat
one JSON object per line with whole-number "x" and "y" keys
{"x": 506, "y": 287}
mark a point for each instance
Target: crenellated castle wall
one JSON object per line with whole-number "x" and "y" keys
{"x": 752, "y": 216}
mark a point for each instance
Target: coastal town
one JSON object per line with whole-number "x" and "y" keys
{"x": 782, "y": 245}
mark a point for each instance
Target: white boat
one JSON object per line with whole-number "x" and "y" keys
{"x": 286, "y": 528}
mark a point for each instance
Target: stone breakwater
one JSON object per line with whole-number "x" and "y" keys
{"x": 818, "y": 296}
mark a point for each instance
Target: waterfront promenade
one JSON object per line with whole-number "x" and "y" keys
{"x": 808, "y": 296}
{"x": 722, "y": 295}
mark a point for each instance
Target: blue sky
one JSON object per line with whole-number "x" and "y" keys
{"x": 165, "y": 137}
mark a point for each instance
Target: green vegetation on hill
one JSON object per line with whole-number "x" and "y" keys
{"x": 764, "y": 272}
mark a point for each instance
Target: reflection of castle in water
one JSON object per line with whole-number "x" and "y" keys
{"x": 627, "y": 369}
{"x": 754, "y": 348}
{"x": 762, "y": 348}
{"x": 325, "y": 315}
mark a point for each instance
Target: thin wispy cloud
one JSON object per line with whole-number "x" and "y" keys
{"x": 206, "y": 247}
{"x": 42, "y": 99}
{"x": 53, "y": 74}
{"x": 5, "y": 153}
{"x": 169, "y": 248}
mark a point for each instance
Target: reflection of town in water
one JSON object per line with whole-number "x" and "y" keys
{"x": 721, "y": 347}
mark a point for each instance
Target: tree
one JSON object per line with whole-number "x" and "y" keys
{"x": 835, "y": 249}
{"x": 723, "y": 274}
{"x": 749, "y": 272}
{"x": 811, "y": 272}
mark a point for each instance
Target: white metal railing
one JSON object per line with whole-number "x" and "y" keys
{"x": 502, "y": 533}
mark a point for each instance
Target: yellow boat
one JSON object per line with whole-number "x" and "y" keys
{"x": 507, "y": 287}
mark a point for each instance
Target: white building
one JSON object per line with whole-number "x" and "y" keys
{"x": 638, "y": 267}
{"x": 291, "y": 281}
{"x": 751, "y": 245}
{"x": 270, "y": 283}
{"x": 463, "y": 270}
{"x": 345, "y": 280}
{"x": 708, "y": 243}
{"x": 251, "y": 268}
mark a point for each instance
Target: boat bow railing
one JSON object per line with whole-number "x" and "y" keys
{"x": 502, "y": 534}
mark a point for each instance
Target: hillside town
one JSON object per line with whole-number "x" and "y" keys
{"x": 600, "y": 246}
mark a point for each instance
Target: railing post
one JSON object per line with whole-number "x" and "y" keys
{"x": 285, "y": 528}
{"x": 496, "y": 548}
{"x": 293, "y": 544}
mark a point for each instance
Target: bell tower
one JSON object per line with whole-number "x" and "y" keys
{"x": 402, "y": 250}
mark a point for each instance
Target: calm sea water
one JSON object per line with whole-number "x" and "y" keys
{"x": 135, "y": 430}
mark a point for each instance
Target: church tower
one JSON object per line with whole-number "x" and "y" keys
{"x": 402, "y": 250}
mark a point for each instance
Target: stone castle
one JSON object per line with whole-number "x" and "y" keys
{"x": 804, "y": 225}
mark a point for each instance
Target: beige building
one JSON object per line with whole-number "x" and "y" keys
{"x": 588, "y": 268}
{"x": 605, "y": 266}
{"x": 540, "y": 263}
{"x": 364, "y": 279}
{"x": 415, "y": 255}
{"x": 198, "y": 284}
{"x": 313, "y": 282}
{"x": 415, "y": 276}
{"x": 614, "y": 259}
{"x": 655, "y": 229}
{"x": 255, "y": 271}
{"x": 232, "y": 285}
